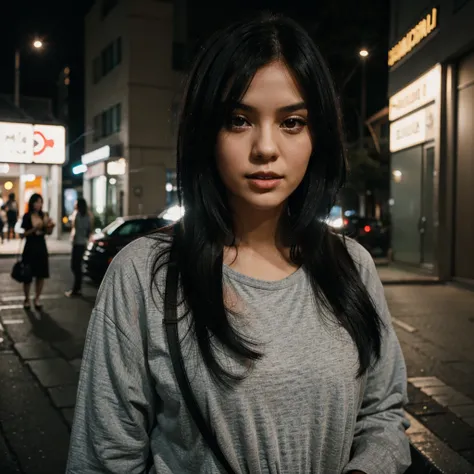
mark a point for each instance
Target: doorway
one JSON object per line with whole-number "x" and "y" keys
{"x": 412, "y": 205}
{"x": 426, "y": 226}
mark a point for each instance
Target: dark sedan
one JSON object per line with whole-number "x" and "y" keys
{"x": 113, "y": 238}
{"x": 369, "y": 232}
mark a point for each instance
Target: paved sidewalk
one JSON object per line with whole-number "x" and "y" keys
{"x": 393, "y": 274}
{"x": 435, "y": 326}
{"x": 55, "y": 247}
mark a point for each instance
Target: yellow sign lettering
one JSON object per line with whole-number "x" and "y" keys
{"x": 417, "y": 34}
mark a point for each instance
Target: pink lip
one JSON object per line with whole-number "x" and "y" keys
{"x": 264, "y": 184}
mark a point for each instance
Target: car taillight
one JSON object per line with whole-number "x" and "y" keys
{"x": 367, "y": 229}
{"x": 102, "y": 243}
{"x": 346, "y": 222}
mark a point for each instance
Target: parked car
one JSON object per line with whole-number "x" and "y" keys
{"x": 369, "y": 232}
{"x": 110, "y": 240}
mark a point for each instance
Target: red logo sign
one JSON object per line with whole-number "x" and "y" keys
{"x": 41, "y": 143}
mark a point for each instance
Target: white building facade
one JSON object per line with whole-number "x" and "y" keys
{"x": 132, "y": 95}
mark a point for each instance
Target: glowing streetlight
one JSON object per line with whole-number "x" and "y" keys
{"x": 363, "y": 53}
{"x": 37, "y": 44}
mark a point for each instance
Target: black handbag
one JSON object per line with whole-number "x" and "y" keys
{"x": 21, "y": 271}
{"x": 171, "y": 323}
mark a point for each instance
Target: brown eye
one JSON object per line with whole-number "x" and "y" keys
{"x": 238, "y": 121}
{"x": 294, "y": 123}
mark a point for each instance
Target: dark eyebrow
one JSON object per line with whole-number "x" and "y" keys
{"x": 286, "y": 108}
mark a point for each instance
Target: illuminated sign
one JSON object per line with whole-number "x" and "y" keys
{"x": 95, "y": 156}
{"x": 28, "y": 143}
{"x": 16, "y": 142}
{"x": 49, "y": 144}
{"x": 95, "y": 171}
{"x": 116, "y": 168}
{"x": 424, "y": 90}
{"x": 415, "y": 36}
{"x": 414, "y": 129}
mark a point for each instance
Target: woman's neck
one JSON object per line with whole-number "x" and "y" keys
{"x": 259, "y": 251}
{"x": 254, "y": 228}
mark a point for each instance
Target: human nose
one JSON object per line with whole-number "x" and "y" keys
{"x": 264, "y": 147}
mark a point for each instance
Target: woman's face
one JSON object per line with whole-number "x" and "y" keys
{"x": 263, "y": 152}
{"x": 38, "y": 204}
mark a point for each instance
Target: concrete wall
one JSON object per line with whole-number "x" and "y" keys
{"x": 153, "y": 87}
{"x": 454, "y": 36}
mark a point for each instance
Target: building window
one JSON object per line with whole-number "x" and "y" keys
{"x": 97, "y": 128}
{"x": 117, "y": 51}
{"x": 109, "y": 59}
{"x": 96, "y": 70}
{"x": 107, "y": 7}
{"x": 116, "y": 118}
{"x": 458, "y": 4}
{"x": 108, "y": 122}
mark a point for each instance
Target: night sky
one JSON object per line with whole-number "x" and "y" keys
{"x": 340, "y": 27}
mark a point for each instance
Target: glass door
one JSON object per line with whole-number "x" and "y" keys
{"x": 426, "y": 224}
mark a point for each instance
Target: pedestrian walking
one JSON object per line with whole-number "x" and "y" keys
{"x": 3, "y": 222}
{"x": 36, "y": 224}
{"x": 11, "y": 208}
{"x": 82, "y": 225}
{"x": 248, "y": 337}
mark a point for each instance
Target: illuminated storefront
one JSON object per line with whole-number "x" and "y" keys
{"x": 431, "y": 90}
{"x": 104, "y": 171}
{"x": 414, "y": 133}
{"x": 31, "y": 156}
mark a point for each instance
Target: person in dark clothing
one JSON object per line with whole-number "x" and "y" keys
{"x": 36, "y": 225}
{"x": 3, "y": 219}
{"x": 11, "y": 208}
{"x": 82, "y": 221}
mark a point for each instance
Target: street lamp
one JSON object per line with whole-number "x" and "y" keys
{"x": 37, "y": 44}
{"x": 364, "y": 54}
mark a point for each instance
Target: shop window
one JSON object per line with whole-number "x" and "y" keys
{"x": 171, "y": 188}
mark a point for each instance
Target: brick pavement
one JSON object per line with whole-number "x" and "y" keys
{"x": 435, "y": 326}
{"x": 41, "y": 353}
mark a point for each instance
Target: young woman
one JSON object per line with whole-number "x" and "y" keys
{"x": 285, "y": 332}
{"x": 36, "y": 225}
{"x": 82, "y": 222}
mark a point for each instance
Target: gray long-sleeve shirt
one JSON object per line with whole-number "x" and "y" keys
{"x": 301, "y": 409}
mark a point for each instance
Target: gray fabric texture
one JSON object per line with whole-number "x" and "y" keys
{"x": 301, "y": 409}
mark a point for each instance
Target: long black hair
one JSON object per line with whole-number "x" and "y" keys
{"x": 31, "y": 203}
{"x": 82, "y": 206}
{"x": 219, "y": 78}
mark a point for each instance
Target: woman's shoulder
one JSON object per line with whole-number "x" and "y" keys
{"x": 135, "y": 262}
{"x": 361, "y": 258}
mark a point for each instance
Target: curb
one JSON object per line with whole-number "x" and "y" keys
{"x": 418, "y": 282}
{"x": 431, "y": 455}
